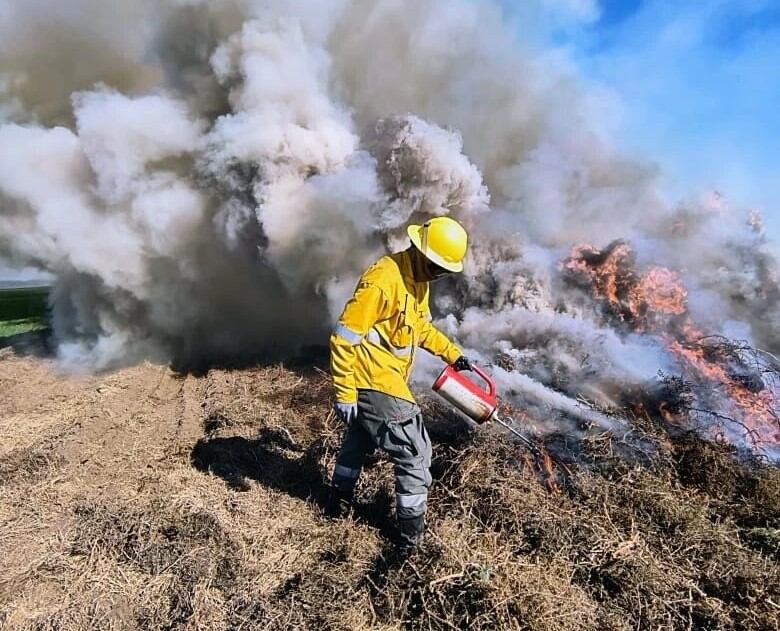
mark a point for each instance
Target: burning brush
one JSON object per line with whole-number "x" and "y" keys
{"x": 727, "y": 388}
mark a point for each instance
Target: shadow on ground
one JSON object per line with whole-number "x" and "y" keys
{"x": 275, "y": 461}
{"x": 315, "y": 356}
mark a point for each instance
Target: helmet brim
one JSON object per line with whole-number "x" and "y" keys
{"x": 415, "y": 234}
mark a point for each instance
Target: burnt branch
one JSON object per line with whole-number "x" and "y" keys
{"x": 752, "y": 434}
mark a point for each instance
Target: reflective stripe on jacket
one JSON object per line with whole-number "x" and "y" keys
{"x": 387, "y": 318}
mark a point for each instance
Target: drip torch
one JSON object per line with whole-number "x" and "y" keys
{"x": 479, "y": 404}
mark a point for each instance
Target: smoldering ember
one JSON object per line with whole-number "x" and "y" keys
{"x": 192, "y": 191}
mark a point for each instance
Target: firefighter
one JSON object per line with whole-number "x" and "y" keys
{"x": 372, "y": 352}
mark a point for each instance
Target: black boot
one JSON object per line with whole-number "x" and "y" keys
{"x": 410, "y": 532}
{"x": 340, "y": 502}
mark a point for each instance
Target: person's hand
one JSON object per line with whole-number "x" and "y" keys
{"x": 347, "y": 412}
{"x": 462, "y": 363}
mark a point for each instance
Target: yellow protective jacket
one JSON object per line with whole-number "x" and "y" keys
{"x": 375, "y": 341}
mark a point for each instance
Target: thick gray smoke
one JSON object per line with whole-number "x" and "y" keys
{"x": 207, "y": 179}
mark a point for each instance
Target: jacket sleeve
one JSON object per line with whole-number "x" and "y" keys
{"x": 368, "y": 305}
{"x": 434, "y": 341}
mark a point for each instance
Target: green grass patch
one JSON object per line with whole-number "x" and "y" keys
{"x": 23, "y": 310}
{"x": 9, "y": 328}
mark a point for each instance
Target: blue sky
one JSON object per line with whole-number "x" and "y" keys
{"x": 697, "y": 83}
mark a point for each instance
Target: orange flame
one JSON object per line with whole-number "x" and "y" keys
{"x": 548, "y": 472}
{"x": 661, "y": 291}
{"x": 755, "y": 411}
{"x": 654, "y": 300}
{"x": 603, "y": 269}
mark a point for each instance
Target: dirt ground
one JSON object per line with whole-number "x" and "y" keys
{"x": 150, "y": 499}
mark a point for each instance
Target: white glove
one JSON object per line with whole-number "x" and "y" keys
{"x": 347, "y": 412}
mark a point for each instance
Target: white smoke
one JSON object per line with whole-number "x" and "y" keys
{"x": 207, "y": 180}
{"x": 423, "y": 170}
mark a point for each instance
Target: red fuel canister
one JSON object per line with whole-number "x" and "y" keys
{"x": 474, "y": 401}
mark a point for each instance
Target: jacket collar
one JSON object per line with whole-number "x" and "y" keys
{"x": 417, "y": 288}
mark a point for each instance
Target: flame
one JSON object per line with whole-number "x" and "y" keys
{"x": 541, "y": 462}
{"x": 754, "y": 412}
{"x": 610, "y": 273}
{"x": 661, "y": 291}
{"x": 656, "y": 302}
{"x": 548, "y": 471}
{"x": 606, "y": 270}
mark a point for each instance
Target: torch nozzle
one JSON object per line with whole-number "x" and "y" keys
{"x": 526, "y": 441}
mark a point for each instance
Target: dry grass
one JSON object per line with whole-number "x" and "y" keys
{"x": 198, "y": 505}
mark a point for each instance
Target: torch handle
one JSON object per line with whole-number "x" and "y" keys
{"x": 491, "y": 385}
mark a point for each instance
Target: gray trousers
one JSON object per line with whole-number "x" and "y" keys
{"x": 395, "y": 426}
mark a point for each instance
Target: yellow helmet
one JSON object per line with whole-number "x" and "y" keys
{"x": 442, "y": 240}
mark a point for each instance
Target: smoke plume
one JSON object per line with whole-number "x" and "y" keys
{"x": 207, "y": 180}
